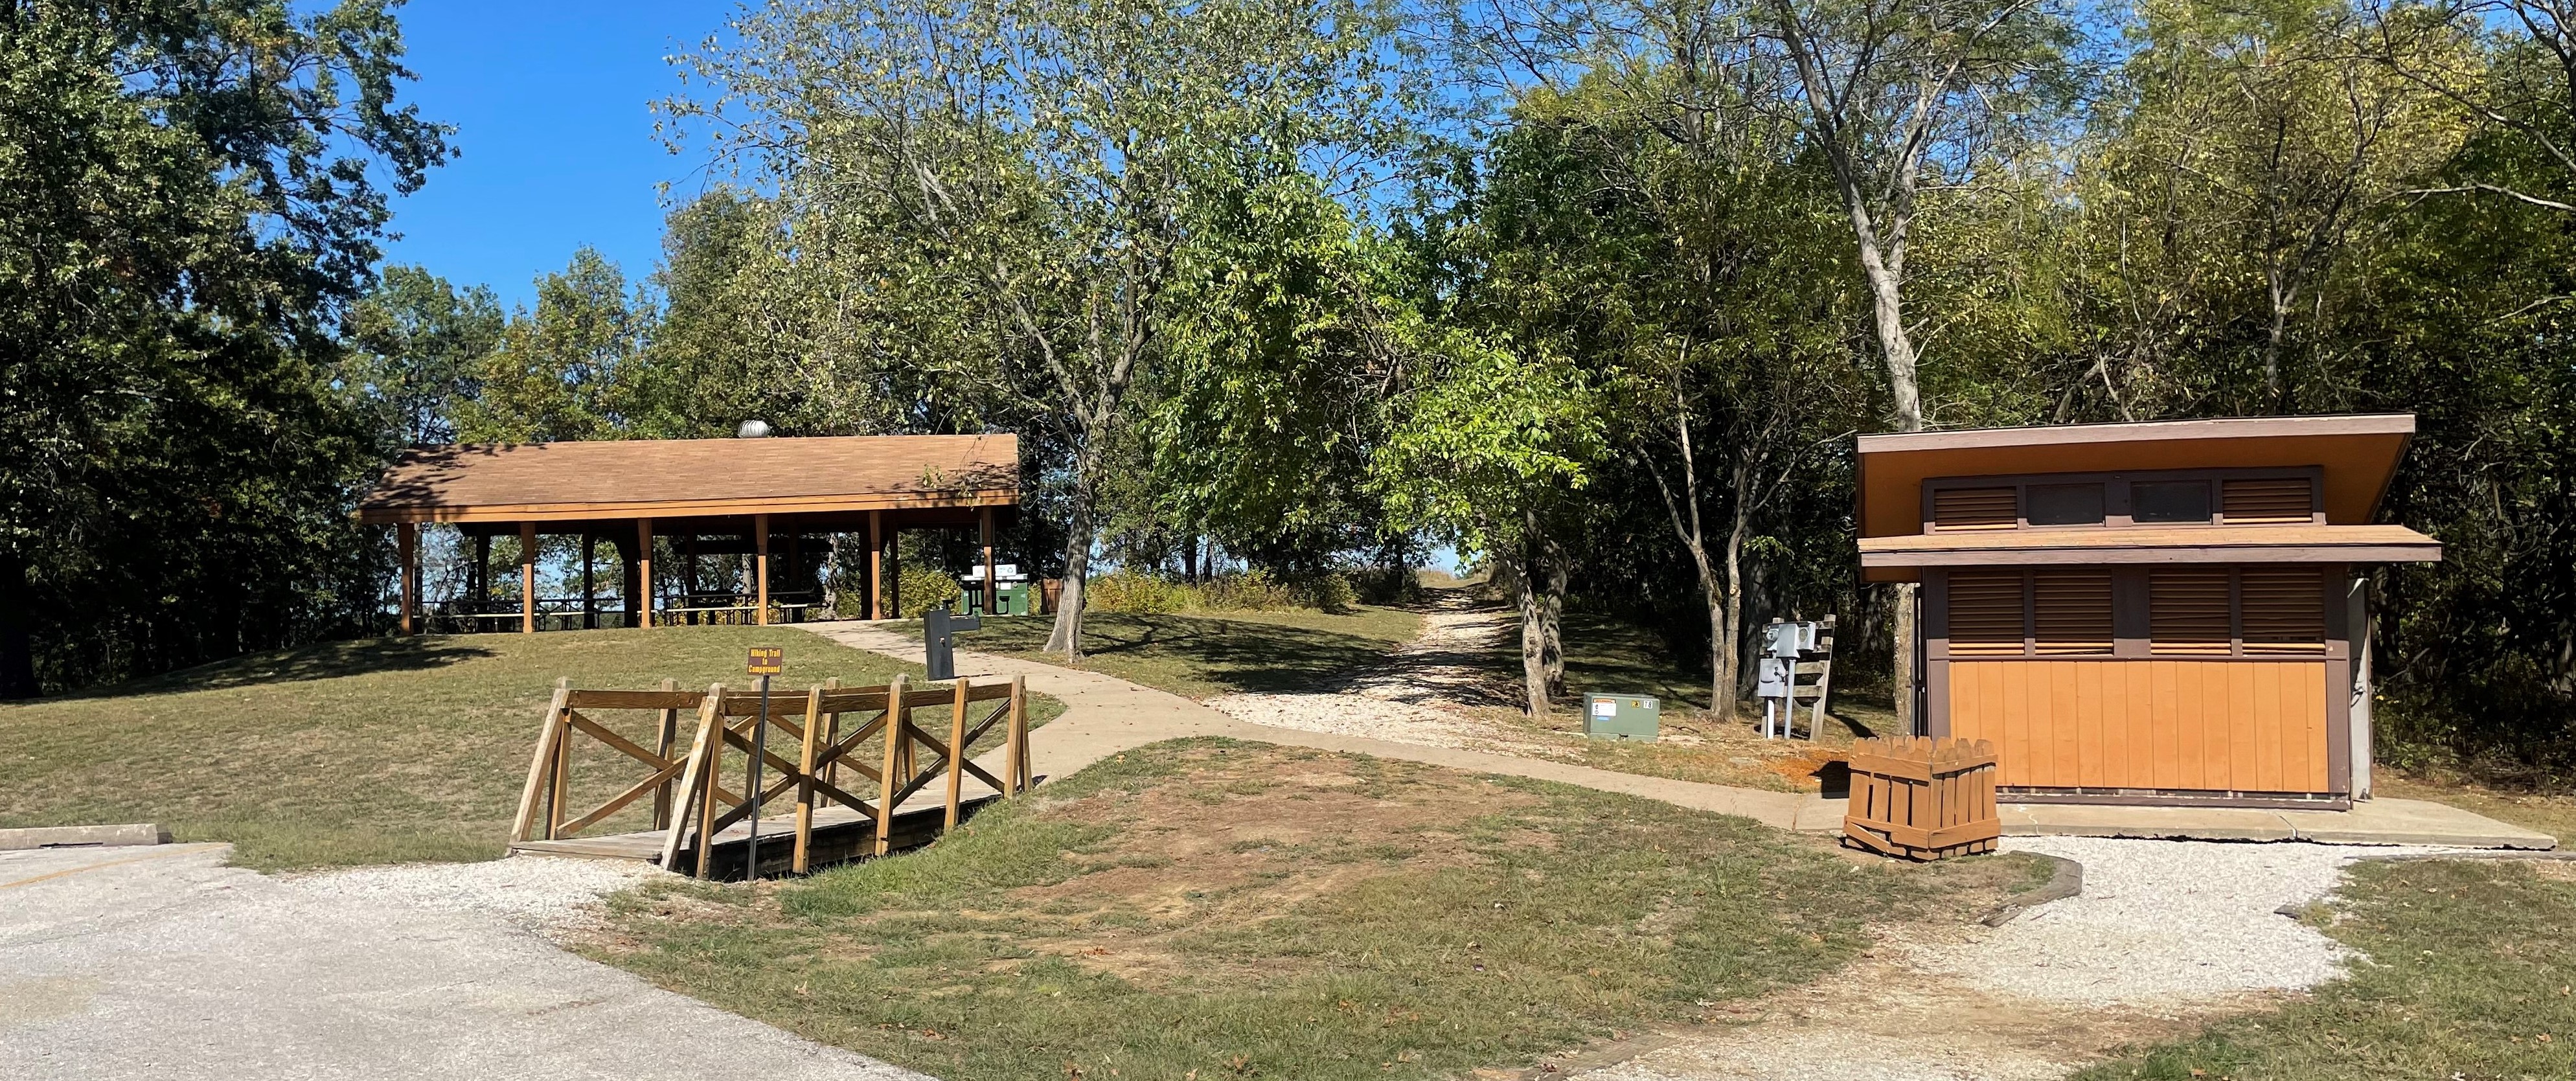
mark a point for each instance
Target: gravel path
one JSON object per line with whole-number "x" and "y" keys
{"x": 549, "y": 895}
{"x": 1408, "y": 697}
{"x": 2163, "y": 921}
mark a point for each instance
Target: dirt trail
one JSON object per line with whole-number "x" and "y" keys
{"x": 1882, "y": 1019}
{"x": 1415, "y": 694}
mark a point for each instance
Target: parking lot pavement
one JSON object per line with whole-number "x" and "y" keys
{"x": 160, "y": 962}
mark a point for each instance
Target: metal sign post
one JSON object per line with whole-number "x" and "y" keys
{"x": 766, "y": 661}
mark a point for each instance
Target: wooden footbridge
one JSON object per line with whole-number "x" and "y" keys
{"x": 832, "y": 761}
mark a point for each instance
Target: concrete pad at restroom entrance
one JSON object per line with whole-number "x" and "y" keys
{"x": 2412, "y": 822}
{"x": 2370, "y": 822}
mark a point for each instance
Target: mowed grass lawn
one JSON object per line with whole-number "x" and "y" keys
{"x": 372, "y": 751}
{"x": 1213, "y": 909}
{"x": 1203, "y": 655}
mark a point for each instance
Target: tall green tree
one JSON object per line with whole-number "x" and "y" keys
{"x": 417, "y": 346}
{"x": 191, "y": 193}
{"x": 1901, "y": 96}
{"x": 555, "y": 371}
{"x": 1487, "y": 445}
{"x": 1261, "y": 424}
{"x": 1659, "y": 227}
{"x": 1013, "y": 183}
{"x": 2252, "y": 162}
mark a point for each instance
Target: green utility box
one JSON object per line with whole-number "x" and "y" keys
{"x": 1622, "y": 716}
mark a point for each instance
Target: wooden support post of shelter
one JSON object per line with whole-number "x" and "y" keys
{"x": 527, "y": 577}
{"x": 760, "y": 565}
{"x": 407, "y": 549}
{"x": 644, "y": 572}
{"x": 991, "y": 592}
{"x": 876, "y": 565}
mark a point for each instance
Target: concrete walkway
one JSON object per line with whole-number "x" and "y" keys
{"x": 1104, "y": 715}
{"x": 2381, "y": 821}
{"x": 160, "y": 962}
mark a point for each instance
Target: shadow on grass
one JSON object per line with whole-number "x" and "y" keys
{"x": 1241, "y": 656}
{"x": 325, "y": 660}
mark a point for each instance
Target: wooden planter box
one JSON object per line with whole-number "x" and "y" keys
{"x": 1922, "y": 798}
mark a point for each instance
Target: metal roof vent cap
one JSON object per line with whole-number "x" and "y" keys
{"x": 752, "y": 429}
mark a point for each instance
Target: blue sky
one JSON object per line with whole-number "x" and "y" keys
{"x": 551, "y": 101}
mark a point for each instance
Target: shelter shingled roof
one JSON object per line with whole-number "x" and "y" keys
{"x": 694, "y": 477}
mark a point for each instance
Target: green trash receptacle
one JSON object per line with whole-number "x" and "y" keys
{"x": 1622, "y": 716}
{"x": 1011, "y": 599}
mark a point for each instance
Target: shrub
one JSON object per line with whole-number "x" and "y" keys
{"x": 1250, "y": 591}
{"x": 1386, "y": 585}
{"x": 1134, "y": 592}
{"x": 923, "y": 589}
{"x": 1329, "y": 592}
{"x": 1125, "y": 590}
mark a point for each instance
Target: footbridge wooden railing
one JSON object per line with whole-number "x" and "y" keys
{"x": 822, "y": 749}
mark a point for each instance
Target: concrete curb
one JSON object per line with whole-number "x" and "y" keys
{"x": 2066, "y": 881}
{"x": 137, "y": 833}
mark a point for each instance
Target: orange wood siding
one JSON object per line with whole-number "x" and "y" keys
{"x": 2218, "y": 725}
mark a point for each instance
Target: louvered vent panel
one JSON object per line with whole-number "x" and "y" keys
{"x": 2071, "y": 612}
{"x": 2281, "y": 501}
{"x": 1985, "y": 614}
{"x": 2187, "y": 611}
{"x": 1975, "y": 508}
{"x": 2285, "y": 611}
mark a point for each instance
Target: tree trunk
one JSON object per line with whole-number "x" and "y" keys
{"x": 1533, "y": 636}
{"x": 17, "y": 644}
{"x": 1729, "y": 679}
{"x": 1720, "y": 634}
{"x": 1066, "y": 637}
{"x": 1887, "y": 310}
{"x": 1552, "y": 611}
{"x": 2273, "y": 388}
